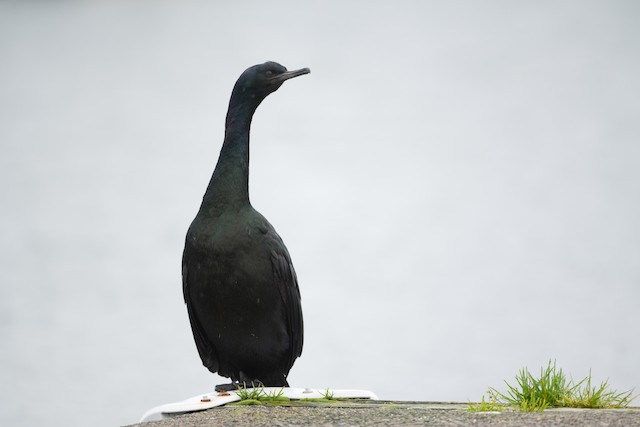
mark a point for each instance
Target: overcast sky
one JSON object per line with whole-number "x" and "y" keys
{"x": 457, "y": 182}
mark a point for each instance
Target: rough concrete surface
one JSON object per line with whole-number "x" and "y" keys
{"x": 387, "y": 413}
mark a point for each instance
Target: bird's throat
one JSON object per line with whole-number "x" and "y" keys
{"x": 229, "y": 185}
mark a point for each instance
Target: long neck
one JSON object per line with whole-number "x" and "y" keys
{"x": 229, "y": 185}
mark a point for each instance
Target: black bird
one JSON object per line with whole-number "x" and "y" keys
{"x": 238, "y": 281}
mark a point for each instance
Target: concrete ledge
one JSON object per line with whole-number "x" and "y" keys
{"x": 389, "y": 413}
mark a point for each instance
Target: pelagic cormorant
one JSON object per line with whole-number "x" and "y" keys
{"x": 239, "y": 284}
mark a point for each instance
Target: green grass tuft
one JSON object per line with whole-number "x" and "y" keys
{"x": 598, "y": 397}
{"x": 553, "y": 389}
{"x": 327, "y": 394}
{"x": 250, "y": 393}
{"x": 491, "y": 406}
{"x": 535, "y": 394}
{"x": 258, "y": 394}
{"x": 275, "y": 396}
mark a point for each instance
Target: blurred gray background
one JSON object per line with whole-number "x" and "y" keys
{"x": 458, "y": 184}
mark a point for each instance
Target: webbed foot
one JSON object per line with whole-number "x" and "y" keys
{"x": 227, "y": 387}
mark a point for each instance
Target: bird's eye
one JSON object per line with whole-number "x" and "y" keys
{"x": 269, "y": 73}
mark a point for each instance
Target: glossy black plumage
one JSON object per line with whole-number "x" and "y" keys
{"x": 239, "y": 284}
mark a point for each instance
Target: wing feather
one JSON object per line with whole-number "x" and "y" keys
{"x": 290, "y": 292}
{"x": 206, "y": 349}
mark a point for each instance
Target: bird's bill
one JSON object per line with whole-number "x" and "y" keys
{"x": 290, "y": 74}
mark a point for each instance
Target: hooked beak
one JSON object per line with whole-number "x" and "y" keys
{"x": 289, "y": 75}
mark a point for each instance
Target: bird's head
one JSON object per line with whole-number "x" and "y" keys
{"x": 259, "y": 81}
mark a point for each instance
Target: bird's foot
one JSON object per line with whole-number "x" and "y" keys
{"x": 236, "y": 385}
{"x": 227, "y": 387}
